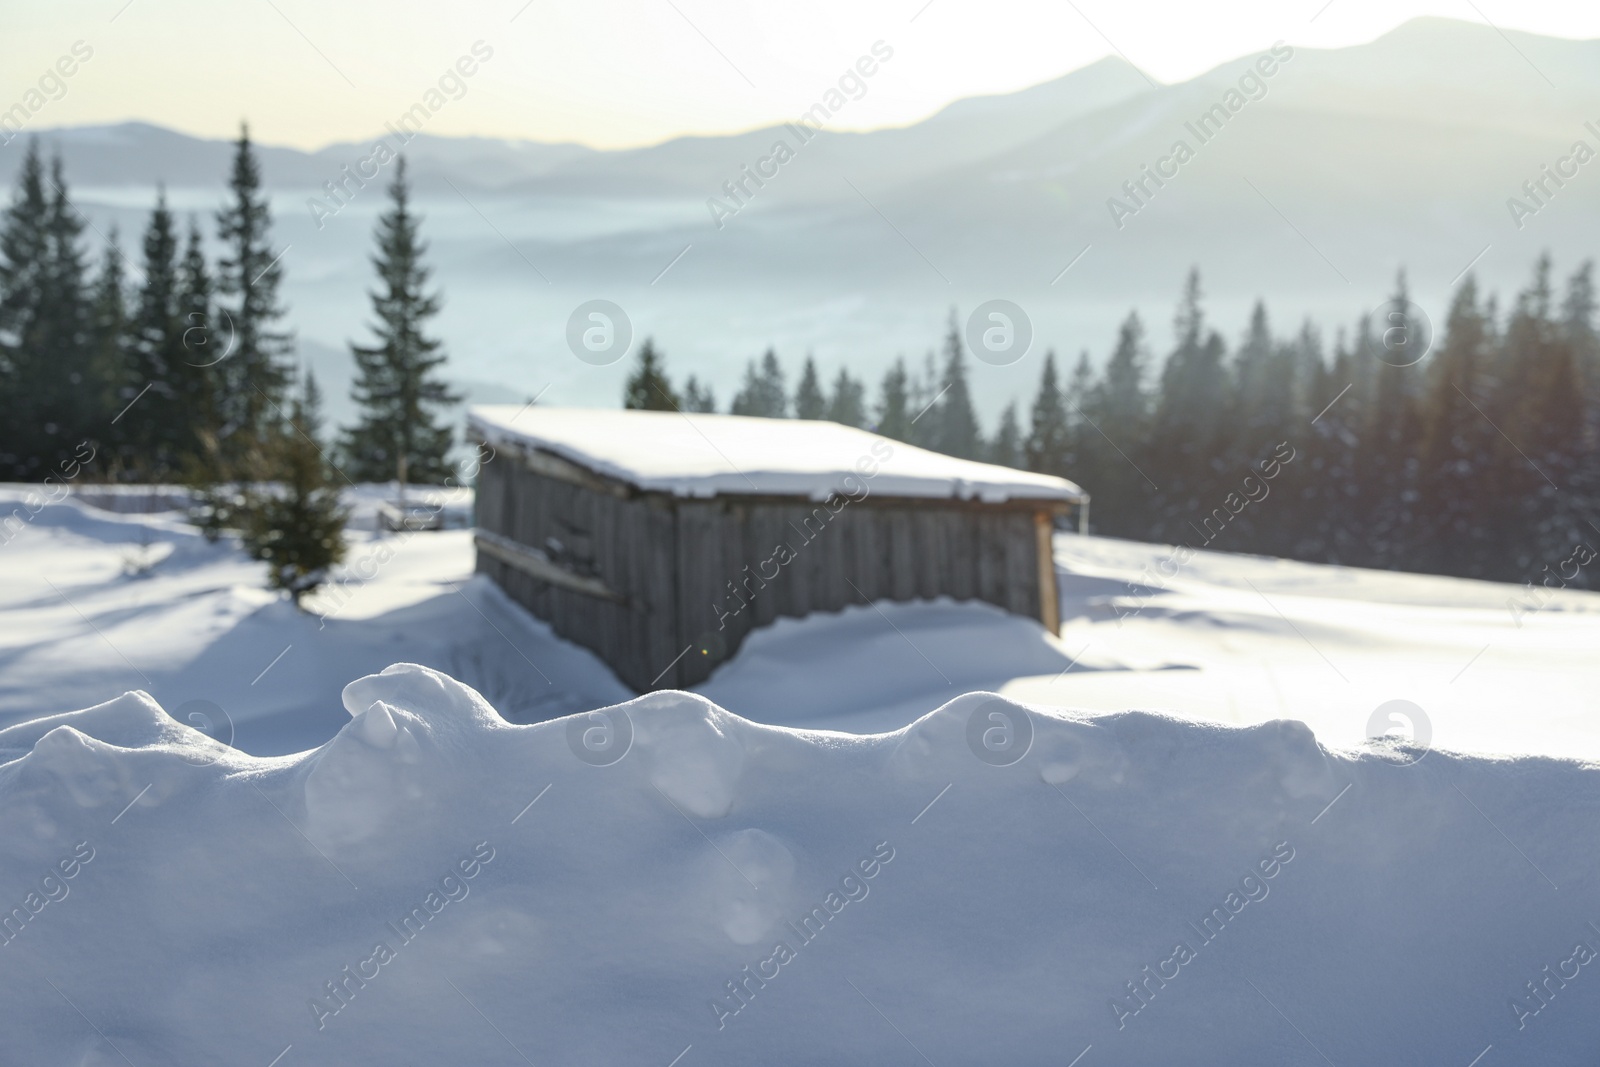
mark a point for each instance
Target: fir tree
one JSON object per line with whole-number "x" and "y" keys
{"x": 1193, "y": 398}
{"x": 1115, "y": 438}
{"x": 763, "y": 393}
{"x": 1310, "y": 490}
{"x": 647, "y": 388}
{"x": 924, "y": 387}
{"x": 1263, "y": 377}
{"x": 1263, "y": 415}
{"x": 1338, "y": 530}
{"x": 1048, "y": 441}
{"x": 697, "y": 397}
{"x": 108, "y": 343}
{"x": 1578, "y": 332}
{"x": 397, "y": 388}
{"x": 894, "y": 403}
{"x": 159, "y": 432}
{"x": 1123, "y": 400}
{"x": 1578, "y": 328}
{"x": 1006, "y": 448}
{"x": 1309, "y": 374}
{"x": 1548, "y": 428}
{"x": 255, "y": 375}
{"x": 57, "y": 398}
{"x": 1194, "y": 387}
{"x": 1457, "y": 443}
{"x": 202, "y": 349}
{"x": 848, "y": 405}
{"x": 955, "y": 430}
{"x": 1390, "y": 447}
{"x": 1079, "y": 433}
{"x": 809, "y": 403}
{"x": 297, "y": 526}
{"x": 24, "y": 269}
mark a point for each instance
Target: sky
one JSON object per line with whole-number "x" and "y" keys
{"x": 615, "y": 73}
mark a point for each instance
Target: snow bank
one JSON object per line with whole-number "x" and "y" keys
{"x": 94, "y": 603}
{"x": 690, "y": 455}
{"x": 888, "y": 664}
{"x": 663, "y": 882}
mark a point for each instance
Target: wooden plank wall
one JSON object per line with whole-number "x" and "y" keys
{"x": 696, "y": 576}
{"x": 861, "y": 552}
{"x": 624, "y": 541}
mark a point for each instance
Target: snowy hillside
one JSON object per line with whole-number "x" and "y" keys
{"x": 93, "y": 604}
{"x": 840, "y": 853}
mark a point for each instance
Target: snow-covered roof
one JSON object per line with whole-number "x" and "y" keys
{"x": 694, "y": 455}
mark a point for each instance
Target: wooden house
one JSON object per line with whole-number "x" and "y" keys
{"x": 659, "y": 540}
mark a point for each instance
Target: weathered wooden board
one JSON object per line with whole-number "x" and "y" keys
{"x": 691, "y": 578}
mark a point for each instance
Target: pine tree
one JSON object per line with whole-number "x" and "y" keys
{"x": 1049, "y": 430}
{"x": 1304, "y": 489}
{"x": 647, "y": 388}
{"x": 848, "y": 405}
{"x": 809, "y": 403}
{"x": 955, "y": 429}
{"x": 1262, "y": 416}
{"x": 397, "y": 388}
{"x": 1006, "y": 448}
{"x": 255, "y": 375}
{"x": 24, "y": 271}
{"x": 1457, "y": 443}
{"x": 923, "y": 391}
{"x": 1123, "y": 400}
{"x": 894, "y": 403}
{"x": 204, "y": 346}
{"x": 1578, "y": 332}
{"x": 1548, "y": 428}
{"x": 1194, "y": 386}
{"x": 763, "y": 393}
{"x": 1389, "y": 458}
{"x": 108, "y": 343}
{"x": 1578, "y": 328}
{"x": 158, "y": 435}
{"x": 1310, "y": 374}
{"x": 1115, "y": 432}
{"x": 66, "y": 404}
{"x": 1340, "y": 529}
{"x": 297, "y": 527}
{"x": 1080, "y": 386}
{"x": 1189, "y": 419}
{"x": 1252, "y": 361}
{"x": 697, "y": 397}
{"x": 1263, "y": 377}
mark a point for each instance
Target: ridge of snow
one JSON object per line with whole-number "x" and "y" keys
{"x": 594, "y": 887}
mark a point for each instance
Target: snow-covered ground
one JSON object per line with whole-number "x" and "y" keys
{"x": 93, "y": 604}
{"x": 667, "y": 883}
{"x": 836, "y": 854}
{"x": 1246, "y": 639}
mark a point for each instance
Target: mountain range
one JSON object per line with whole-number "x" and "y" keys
{"x": 1333, "y": 172}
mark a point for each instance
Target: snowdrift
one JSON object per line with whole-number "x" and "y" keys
{"x": 662, "y": 882}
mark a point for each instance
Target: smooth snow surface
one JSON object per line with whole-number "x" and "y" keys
{"x": 690, "y": 455}
{"x": 1496, "y": 668}
{"x": 94, "y": 603}
{"x": 668, "y": 883}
